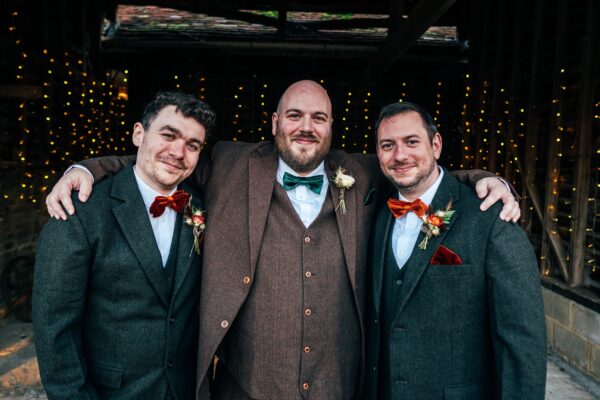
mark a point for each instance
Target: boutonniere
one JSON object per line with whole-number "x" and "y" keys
{"x": 197, "y": 220}
{"x": 343, "y": 182}
{"x": 434, "y": 223}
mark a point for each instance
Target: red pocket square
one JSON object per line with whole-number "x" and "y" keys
{"x": 445, "y": 256}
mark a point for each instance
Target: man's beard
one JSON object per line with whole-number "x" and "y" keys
{"x": 416, "y": 182}
{"x": 302, "y": 163}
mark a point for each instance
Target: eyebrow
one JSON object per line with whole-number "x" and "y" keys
{"x": 303, "y": 112}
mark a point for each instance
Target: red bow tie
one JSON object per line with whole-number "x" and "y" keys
{"x": 399, "y": 207}
{"x": 176, "y": 201}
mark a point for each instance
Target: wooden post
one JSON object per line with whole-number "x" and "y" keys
{"x": 531, "y": 134}
{"x": 515, "y": 93}
{"x": 483, "y": 86}
{"x": 584, "y": 145}
{"x": 497, "y": 73}
{"x": 553, "y": 164}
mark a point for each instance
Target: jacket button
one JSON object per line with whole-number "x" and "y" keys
{"x": 308, "y": 274}
{"x": 306, "y": 349}
{"x": 307, "y": 239}
{"x": 246, "y": 280}
{"x": 224, "y": 324}
{"x": 308, "y": 311}
{"x": 172, "y": 319}
{"x": 305, "y": 386}
{"x": 169, "y": 364}
{"x": 375, "y": 321}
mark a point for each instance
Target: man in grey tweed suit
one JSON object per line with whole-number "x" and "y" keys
{"x": 454, "y": 313}
{"x": 116, "y": 289}
{"x": 283, "y": 281}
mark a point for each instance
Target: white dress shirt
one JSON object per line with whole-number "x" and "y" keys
{"x": 407, "y": 227}
{"x": 306, "y": 203}
{"x": 162, "y": 226}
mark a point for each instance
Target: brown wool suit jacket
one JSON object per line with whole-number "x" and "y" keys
{"x": 240, "y": 187}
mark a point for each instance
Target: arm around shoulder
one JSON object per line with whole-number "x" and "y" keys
{"x": 102, "y": 167}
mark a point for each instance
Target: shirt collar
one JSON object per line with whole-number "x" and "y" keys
{"x": 282, "y": 168}
{"x": 428, "y": 196}
{"x": 148, "y": 194}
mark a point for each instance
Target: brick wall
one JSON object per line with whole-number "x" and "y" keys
{"x": 573, "y": 332}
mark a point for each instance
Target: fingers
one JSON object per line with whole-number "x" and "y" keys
{"x": 497, "y": 190}
{"x": 85, "y": 189}
{"x": 60, "y": 196}
{"x": 53, "y": 205}
{"x": 511, "y": 212}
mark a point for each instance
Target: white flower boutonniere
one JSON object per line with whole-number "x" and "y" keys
{"x": 197, "y": 220}
{"x": 343, "y": 182}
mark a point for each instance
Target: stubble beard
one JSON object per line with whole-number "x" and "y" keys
{"x": 411, "y": 186}
{"x": 302, "y": 163}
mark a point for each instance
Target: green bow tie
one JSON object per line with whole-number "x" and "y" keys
{"x": 314, "y": 183}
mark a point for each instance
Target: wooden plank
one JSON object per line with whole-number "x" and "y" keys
{"x": 424, "y": 14}
{"x": 484, "y": 66}
{"x": 497, "y": 83}
{"x": 25, "y": 92}
{"x": 554, "y": 145}
{"x": 531, "y": 134}
{"x": 510, "y": 155}
{"x": 282, "y": 19}
{"x": 584, "y": 144}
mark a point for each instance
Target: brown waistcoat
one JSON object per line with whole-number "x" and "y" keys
{"x": 297, "y": 336}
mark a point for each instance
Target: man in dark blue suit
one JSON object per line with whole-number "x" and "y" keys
{"x": 455, "y": 302}
{"x": 116, "y": 287}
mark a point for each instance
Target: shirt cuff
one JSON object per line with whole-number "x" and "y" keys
{"x": 81, "y": 167}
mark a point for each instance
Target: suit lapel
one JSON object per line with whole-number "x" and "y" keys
{"x": 381, "y": 235}
{"x": 186, "y": 256}
{"x": 346, "y": 222}
{"x": 262, "y": 171}
{"x": 132, "y": 217}
{"x": 419, "y": 259}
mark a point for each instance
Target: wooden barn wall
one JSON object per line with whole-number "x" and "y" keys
{"x": 531, "y": 113}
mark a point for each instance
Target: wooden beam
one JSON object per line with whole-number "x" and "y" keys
{"x": 497, "y": 72}
{"x": 554, "y": 145}
{"x": 514, "y": 92}
{"x": 584, "y": 144}
{"x": 424, "y": 14}
{"x": 531, "y": 134}
{"x": 201, "y": 6}
{"x": 282, "y": 19}
{"x": 24, "y": 92}
{"x": 556, "y": 243}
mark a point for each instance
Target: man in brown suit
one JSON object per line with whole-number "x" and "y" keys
{"x": 282, "y": 293}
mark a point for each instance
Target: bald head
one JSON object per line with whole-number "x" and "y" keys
{"x": 302, "y": 126}
{"x": 308, "y": 89}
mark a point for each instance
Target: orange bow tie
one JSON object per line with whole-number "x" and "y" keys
{"x": 176, "y": 201}
{"x": 399, "y": 207}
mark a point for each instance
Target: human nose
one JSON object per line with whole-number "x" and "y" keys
{"x": 176, "y": 149}
{"x": 400, "y": 154}
{"x": 306, "y": 124}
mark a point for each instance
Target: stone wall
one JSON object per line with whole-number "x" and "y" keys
{"x": 573, "y": 332}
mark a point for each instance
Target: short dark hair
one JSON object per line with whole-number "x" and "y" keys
{"x": 185, "y": 103}
{"x": 403, "y": 107}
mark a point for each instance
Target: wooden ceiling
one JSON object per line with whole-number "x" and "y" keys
{"x": 406, "y": 20}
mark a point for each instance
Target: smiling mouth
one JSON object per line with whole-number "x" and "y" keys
{"x": 401, "y": 169}
{"x": 171, "y": 166}
{"x": 305, "y": 139}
